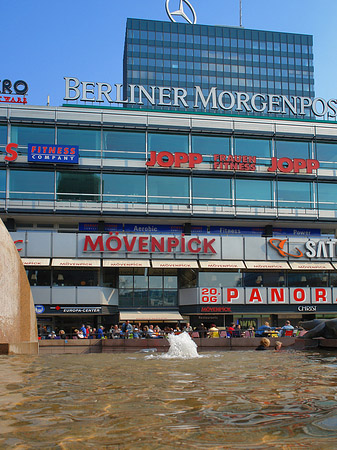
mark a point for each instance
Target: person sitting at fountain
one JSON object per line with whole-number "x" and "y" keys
{"x": 202, "y": 330}
{"x": 126, "y": 329}
{"x": 188, "y": 328}
{"x": 278, "y": 346}
{"x": 264, "y": 344}
{"x": 116, "y": 332}
{"x": 62, "y": 334}
{"x": 287, "y": 327}
{"x": 213, "y": 332}
{"x": 231, "y": 329}
{"x": 262, "y": 329}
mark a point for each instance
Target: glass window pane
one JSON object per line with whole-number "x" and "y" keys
{"x": 261, "y": 148}
{"x": 219, "y": 279}
{"x": 168, "y": 142}
{"x": 253, "y": 193}
{"x": 32, "y": 135}
{"x": 211, "y": 191}
{"x": 72, "y": 277}
{"x": 293, "y": 149}
{"x": 170, "y": 298}
{"x": 163, "y": 189}
{"x": 85, "y": 139}
{"x": 327, "y": 154}
{"x": 2, "y": 183}
{"x": 210, "y": 145}
{"x": 123, "y": 188}
{"x": 110, "y": 277}
{"x": 125, "y": 297}
{"x": 31, "y": 185}
{"x": 140, "y": 298}
{"x": 123, "y": 144}
{"x": 3, "y": 134}
{"x": 327, "y": 196}
{"x": 294, "y": 194}
{"x": 39, "y": 277}
{"x": 78, "y": 186}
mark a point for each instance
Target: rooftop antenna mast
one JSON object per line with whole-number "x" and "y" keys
{"x": 241, "y": 13}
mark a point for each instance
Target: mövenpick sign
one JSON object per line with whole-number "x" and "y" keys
{"x": 98, "y": 92}
{"x": 115, "y": 242}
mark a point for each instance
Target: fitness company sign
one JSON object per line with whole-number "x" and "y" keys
{"x": 213, "y": 98}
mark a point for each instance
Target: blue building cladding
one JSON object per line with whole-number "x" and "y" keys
{"x": 232, "y": 59}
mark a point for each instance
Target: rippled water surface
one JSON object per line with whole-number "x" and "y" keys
{"x": 229, "y": 400}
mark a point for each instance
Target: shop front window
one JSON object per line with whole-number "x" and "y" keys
{"x": 39, "y": 277}
{"x": 147, "y": 287}
{"x": 308, "y": 279}
{"x": 110, "y": 277}
{"x": 220, "y": 279}
{"x": 264, "y": 279}
{"x": 75, "y": 277}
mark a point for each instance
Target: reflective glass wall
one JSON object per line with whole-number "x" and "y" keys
{"x": 230, "y": 58}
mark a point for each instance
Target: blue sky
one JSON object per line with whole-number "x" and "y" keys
{"x": 47, "y": 40}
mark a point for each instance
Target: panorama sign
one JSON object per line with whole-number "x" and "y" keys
{"x": 213, "y": 98}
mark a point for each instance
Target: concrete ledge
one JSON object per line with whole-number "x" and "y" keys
{"x": 21, "y": 348}
{"x": 81, "y": 346}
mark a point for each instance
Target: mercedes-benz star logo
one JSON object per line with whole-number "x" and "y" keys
{"x": 181, "y": 12}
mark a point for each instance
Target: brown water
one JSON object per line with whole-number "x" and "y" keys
{"x": 229, "y": 400}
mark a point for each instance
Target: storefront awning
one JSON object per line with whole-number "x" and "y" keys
{"x": 58, "y": 262}
{"x": 311, "y": 266}
{"x": 174, "y": 264}
{"x": 150, "y": 316}
{"x": 36, "y": 262}
{"x": 126, "y": 263}
{"x": 221, "y": 264}
{"x": 267, "y": 265}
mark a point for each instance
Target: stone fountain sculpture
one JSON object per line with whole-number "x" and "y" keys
{"x": 18, "y": 330}
{"x": 326, "y": 328}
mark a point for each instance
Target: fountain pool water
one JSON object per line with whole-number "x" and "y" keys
{"x": 181, "y": 346}
{"x": 225, "y": 400}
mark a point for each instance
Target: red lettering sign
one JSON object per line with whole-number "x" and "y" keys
{"x": 287, "y": 165}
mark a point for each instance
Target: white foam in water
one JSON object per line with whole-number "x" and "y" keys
{"x": 181, "y": 346}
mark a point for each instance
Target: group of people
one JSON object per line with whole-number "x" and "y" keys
{"x": 266, "y": 330}
{"x": 138, "y": 331}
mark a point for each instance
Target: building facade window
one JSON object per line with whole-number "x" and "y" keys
{"x": 31, "y": 185}
{"x": 124, "y": 144}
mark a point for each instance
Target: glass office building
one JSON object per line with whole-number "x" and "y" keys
{"x": 229, "y": 58}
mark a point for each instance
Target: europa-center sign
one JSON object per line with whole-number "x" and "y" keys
{"x": 213, "y": 98}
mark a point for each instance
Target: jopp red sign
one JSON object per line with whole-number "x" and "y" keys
{"x": 287, "y": 165}
{"x": 245, "y": 163}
